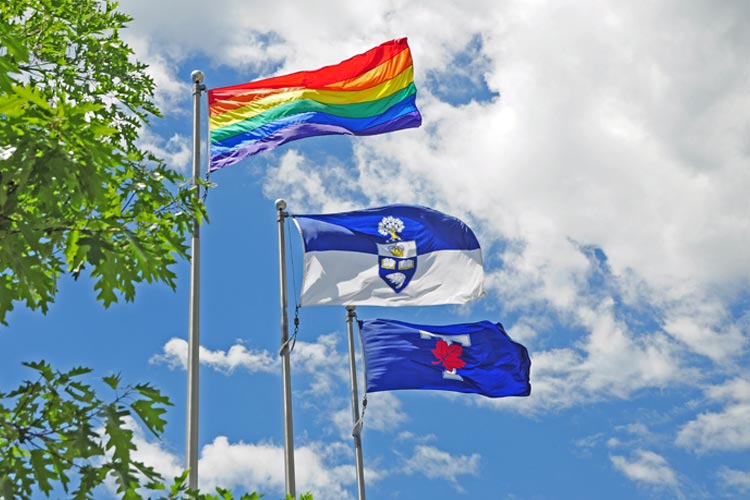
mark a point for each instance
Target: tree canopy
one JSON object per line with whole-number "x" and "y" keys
{"x": 78, "y": 194}
{"x": 57, "y": 435}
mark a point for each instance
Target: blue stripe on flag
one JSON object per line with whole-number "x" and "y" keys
{"x": 353, "y": 124}
{"x": 358, "y": 231}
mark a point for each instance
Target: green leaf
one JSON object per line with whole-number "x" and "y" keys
{"x": 39, "y": 463}
{"x": 6, "y": 487}
{"x": 12, "y": 105}
{"x": 255, "y": 496}
{"x": 79, "y": 370}
{"x": 150, "y": 414}
{"x": 31, "y": 95}
{"x": 13, "y": 45}
{"x": 112, "y": 381}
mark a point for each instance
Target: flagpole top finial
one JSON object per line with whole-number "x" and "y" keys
{"x": 197, "y": 76}
{"x": 280, "y": 204}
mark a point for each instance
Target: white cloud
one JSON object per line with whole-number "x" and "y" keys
{"x": 175, "y": 354}
{"x": 587, "y": 443}
{"x": 438, "y": 464}
{"x": 172, "y": 94}
{"x": 260, "y": 467}
{"x": 257, "y": 38}
{"x": 175, "y": 151}
{"x": 321, "y": 468}
{"x": 327, "y": 388}
{"x": 637, "y": 429}
{"x": 727, "y": 430}
{"x": 525, "y": 330}
{"x": 643, "y": 361}
{"x": 647, "y": 467}
{"x": 737, "y": 390}
{"x": 323, "y": 361}
{"x": 307, "y": 187}
{"x": 329, "y": 369}
{"x": 419, "y": 438}
{"x": 610, "y": 361}
{"x": 704, "y": 329}
{"x": 383, "y": 414}
{"x": 738, "y": 480}
{"x": 556, "y": 380}
{"x": 613, "y": 442}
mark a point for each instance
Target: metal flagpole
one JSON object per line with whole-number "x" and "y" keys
{"x": 284, "y": 353}
{"x": 357, "y": 430}
{"x": 191, "y": 448}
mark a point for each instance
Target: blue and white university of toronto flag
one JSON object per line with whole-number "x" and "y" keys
{"x": 389, "y": 256}
{"x": 470, "y": 357}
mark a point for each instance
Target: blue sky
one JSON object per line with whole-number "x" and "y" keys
{"x": 600, "y": 152}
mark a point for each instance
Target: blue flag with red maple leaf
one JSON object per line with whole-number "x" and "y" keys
{"x": 469, "y": 357}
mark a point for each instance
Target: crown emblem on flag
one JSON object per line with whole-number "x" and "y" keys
{"x": 397, "y": 258}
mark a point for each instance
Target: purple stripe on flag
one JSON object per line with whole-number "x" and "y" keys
{"x": 302, "y": 130}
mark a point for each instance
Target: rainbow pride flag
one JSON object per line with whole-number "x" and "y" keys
{"x": 371, "y": 93}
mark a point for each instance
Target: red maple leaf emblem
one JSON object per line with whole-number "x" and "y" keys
{"x": 448, "y": 355}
